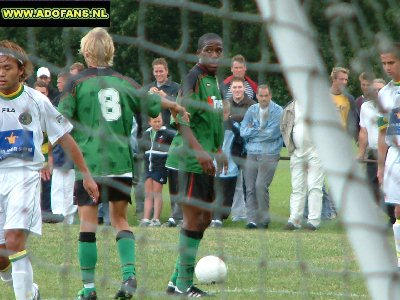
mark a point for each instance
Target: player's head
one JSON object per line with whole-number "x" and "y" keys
{"x": 156, "y": 123}
{"x": 264, "y": 95}
{"x": 376, "y": 86}
{"x": 97, "y": 47}
{"x": 62, "y": 80}
{"x": 15, "y": 66}
{"x": 76, "y": 67}
{"x": 209, "y": 50}
{"x": 339, "y": 77}
{"x": 238, "y": 67}
{"x": 41, "y": 86}
{"x": 390, "y": 58}
{"x": 237, "y": 88}
{"x": 160, "y": 70}
{"x": 366, "y": 79}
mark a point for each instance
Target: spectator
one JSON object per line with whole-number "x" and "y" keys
{"x": 164, "y": 86}
{"x": 45, "y": 200}
{"x": 307, "y": 175}
{"x": 366, "y": 80}
{"x": 156, "y": 140}
{"x": 260, "y": 129}
{"x": 240, "y": 102}
{"x": 76, "y": 68}
{"x": 225, "y": 181}
{"x": 238, "y": 69}
{"x": 344, "y": 102}
{"x": 43, "y": 73}
{"x": 63, "y": 173}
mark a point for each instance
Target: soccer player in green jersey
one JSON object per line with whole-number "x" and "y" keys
{"x": 192, "y": 152}
{"x": 102, "y": 104}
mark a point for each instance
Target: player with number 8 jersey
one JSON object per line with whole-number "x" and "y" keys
{"x": 105, "y": 114}
{"x": 102, "y": 104}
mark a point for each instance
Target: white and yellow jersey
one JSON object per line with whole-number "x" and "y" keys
{"x": 24, "y": 116}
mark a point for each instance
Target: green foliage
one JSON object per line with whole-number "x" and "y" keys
{"x": 177, "y": 29}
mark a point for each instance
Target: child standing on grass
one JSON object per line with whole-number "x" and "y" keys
{"x": 156, "y": 141}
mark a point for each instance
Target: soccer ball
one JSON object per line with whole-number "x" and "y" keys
{"x": 210, "y": 269}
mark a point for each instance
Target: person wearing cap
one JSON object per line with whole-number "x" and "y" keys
{"x": 44, "y": 74}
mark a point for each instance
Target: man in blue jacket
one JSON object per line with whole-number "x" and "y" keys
{"x": 260, "y": 129}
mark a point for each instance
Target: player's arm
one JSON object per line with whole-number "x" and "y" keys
{"x": 382, "y": 151}
{"x": 71, "y": 148}
{"x": 362, "y": 142}
{"x": 174, "y": 107}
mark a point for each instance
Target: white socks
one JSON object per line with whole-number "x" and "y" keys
{"x": 22, "y": 275}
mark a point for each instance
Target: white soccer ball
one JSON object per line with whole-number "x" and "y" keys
{"x": 210, "y": 269}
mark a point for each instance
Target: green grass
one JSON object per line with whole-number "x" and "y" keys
{"x": 272, "y": 264}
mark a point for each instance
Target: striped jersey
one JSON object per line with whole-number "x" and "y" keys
{"x": 25, "y": 115}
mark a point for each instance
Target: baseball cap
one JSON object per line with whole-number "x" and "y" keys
{"x": 43, "y": 71}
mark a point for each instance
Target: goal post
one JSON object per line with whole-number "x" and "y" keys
{"x": 294, "y": 43}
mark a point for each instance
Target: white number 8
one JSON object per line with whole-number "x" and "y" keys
{"x": 109, "y": 103}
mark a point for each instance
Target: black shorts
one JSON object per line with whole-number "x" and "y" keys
{"x": 160, "y": 176}
{"x": 110, "y": 188}
{"x": 196, "y": 187}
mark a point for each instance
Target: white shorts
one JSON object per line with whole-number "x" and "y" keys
{"x": 19, "y": 201}
{"x": 391, "y": 177}
{"x": 62, "y": 192}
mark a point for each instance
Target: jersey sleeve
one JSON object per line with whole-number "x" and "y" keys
{"x": 187, "y": 95}
{"x": 67, "y": 105}
{"x": 363, "y": 116}
{"x": 54, "y": 123}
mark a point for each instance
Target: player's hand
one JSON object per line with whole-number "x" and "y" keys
{"x": 45, "y": 173}
{"x": 178, "y": 109}
{"x": 222, "y": 163}
{"x": 91, "y": 188}
{"x": 206, "y": 162}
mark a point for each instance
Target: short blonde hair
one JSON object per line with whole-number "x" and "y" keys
{"x": 379, "y": 80}
{"x": 97, "y": 47}
{"x": 336, "y": 70}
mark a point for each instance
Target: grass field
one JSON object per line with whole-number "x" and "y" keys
{"x": 271, "y": 264}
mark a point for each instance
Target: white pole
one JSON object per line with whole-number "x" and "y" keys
{"x": 296, "y": 48}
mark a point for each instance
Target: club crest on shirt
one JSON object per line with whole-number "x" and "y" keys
{"x": 25, "y": 118}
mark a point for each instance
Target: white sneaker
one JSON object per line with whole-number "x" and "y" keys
{"x": 155, "y": 223}
{"x": 36, "y": 294}
{"x": 144, "y": 223}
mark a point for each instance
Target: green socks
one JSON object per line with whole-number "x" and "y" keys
{"x": 126, "y": 250}
{"x": 87, "y": 252}
{"x": 189, "y": 242}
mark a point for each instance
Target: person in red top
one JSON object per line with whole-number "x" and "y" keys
{"x": 239, "y": 69}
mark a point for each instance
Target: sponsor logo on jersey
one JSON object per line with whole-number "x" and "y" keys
{"x": 213, "y": 102}
{"x": 394, "y": 122}
{"x": 25, "y": 118}
{"x": 17, "y": 143}
{"x": 60, "y": 119}
{"x": 7, "y": 109}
